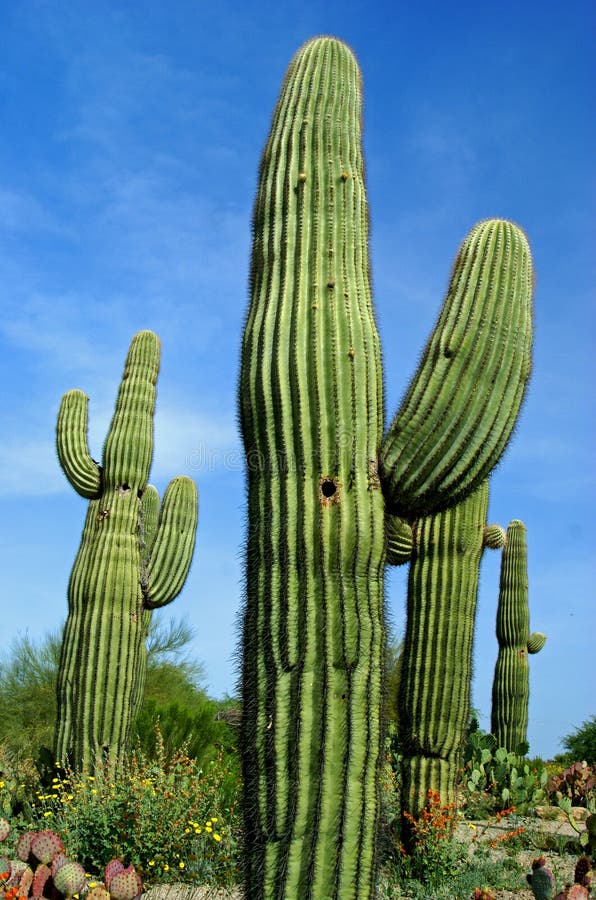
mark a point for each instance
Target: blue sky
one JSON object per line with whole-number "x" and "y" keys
{"x": 129, "y": 144}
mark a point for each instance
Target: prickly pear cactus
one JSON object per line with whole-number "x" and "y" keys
{"x": 125, "y": 885}
{"x": 511, "y": 683}
{"x": 117, "y": 578}
{"x": 46, "y": 845}
{"x": 541, "y": 880}
{"x": 70, "y": 879}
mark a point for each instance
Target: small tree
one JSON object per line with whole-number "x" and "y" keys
{"x": 581, "y": 744}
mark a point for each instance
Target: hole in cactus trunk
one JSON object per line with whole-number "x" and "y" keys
{"x": 329, "y": 490}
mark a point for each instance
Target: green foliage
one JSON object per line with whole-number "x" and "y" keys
{"x": 18, "y": 782}
{"x": 169, "y": 817}
{"x": 496, "y": 779}
{"x": 193, "y": 726}
{"x": 581, "y": 743}
{"x": 393, "y": 670}
{"x": 28, "y": 694}
{"x": 28, "y": 676}
{"x": 435, "y": 855}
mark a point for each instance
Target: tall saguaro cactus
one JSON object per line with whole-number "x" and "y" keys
{"x": 311, "y": 410}
{"x": 511, "y": 684}
{"x": 325, "y": 491}
{"x": 133, "y": 557}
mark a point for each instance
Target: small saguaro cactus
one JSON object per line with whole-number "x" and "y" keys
{"x": 330, "y": 501}
{"x": 511, "y": 684}
{"x": 133, "y": 558}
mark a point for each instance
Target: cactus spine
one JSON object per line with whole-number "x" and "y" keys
{"x": 511, "y": 684}
{"x": 117, "y": 577}
{"x": 319, "y": 525}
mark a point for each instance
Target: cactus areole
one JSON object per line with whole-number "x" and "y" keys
{"x": 131, "y": 560}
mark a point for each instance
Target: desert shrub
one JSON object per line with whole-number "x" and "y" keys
{"x": 170, "y": 818}
{"x": 443, "y": 864}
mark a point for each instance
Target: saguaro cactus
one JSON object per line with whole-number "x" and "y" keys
{"x": 133, "y": 558}
{"x": 311, "y": 409}
{"x": 511, "y": 684}
{"x": 312, "y": 419}
{"x": 436, "y": 679}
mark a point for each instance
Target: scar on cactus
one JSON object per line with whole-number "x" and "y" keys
{"x": 134, "y": 557}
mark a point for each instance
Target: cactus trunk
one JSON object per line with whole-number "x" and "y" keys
{"x": 511, "y": 684}
{"x": 311, "y": 412}
{"x": 111, "y": 588}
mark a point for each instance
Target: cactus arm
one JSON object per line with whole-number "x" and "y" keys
{"x": 434, "y": 695}
{"x": 493, "y": 537}
{"x": 173, "y": 545}
{"x": 536, "y": 642}
{"x": 148, "y": 521}
{"x": 399, "y": 541}
{"x": 460, "y": 409}
{"x": 311, "y": 415}
{"x": 128, "y": 449}
{"x": 73, "y": 450}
